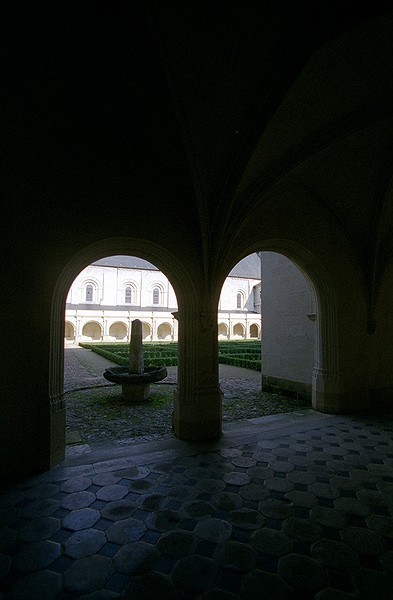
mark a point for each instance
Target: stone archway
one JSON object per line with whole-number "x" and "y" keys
{"x": 164, "y": 331}
{"x": 325, "y": 371}
{"x": 91, "y": 331}
{"x": 118, "y": 331}
{"x": 166, "y": 262}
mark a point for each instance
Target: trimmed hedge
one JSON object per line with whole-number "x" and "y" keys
{"x": 246, "y": 354}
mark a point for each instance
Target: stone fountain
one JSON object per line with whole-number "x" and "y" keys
{"x": 135, "y": 378}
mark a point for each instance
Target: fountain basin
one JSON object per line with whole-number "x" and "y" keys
{"x": 135, "y": 386}
{"x": 122, "y": 375}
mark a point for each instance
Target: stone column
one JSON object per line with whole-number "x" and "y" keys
{"x": 197, "y": 414}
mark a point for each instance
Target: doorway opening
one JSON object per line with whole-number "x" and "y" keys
{"x": 272, "y": 358}
{"x": 102, "y": 302}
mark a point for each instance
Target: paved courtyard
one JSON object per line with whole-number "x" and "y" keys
{"x": 289, "y": 506}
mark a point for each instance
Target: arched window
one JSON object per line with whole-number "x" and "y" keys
{"x": 128, "y": 295}
{"x": 239, "y": 300}
{"x": 156, "y": 295}
{"x": 89, "y": 293}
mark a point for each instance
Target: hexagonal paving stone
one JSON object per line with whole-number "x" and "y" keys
{"x": 300, "y": 461}
{"x": 182, "y": 492}
{"x": 39, "y": 529}
{"x": 171, "y": 479}
{"x": 163, "y": 520}
{"x": 117, "y": 510}
{"x": 195, "y": 573}
{"x": 81, "y": 519}
{"x": 150, "y": 585}
{"x": 221, "y": 467}
{"x": 372, "y": 498}
{"x": 275, "y": 508}
{"x": 335, "y": 555}
{"x": 279, "y": 452}
{"x": 246, "y": 518}
{"x": 301, "y": 572}
{"x": 135, "y": 558}
{"x": 273, "y": 586}
{"x": 142, "y": 486}
{"x": 301, "y": 498}
{"x": 37, "y": 586}
{"x": 304, "y": 477}
{"x": 305, "y": 530}
{"x": 236, "y": 556}
{"x": 44, "y": 507}
{"x": 152, "y": 502}
{"x": 227, "y": 500}
{"x": 211, "y": 486}
{"x": 37, "y": 556}
{"x": 244, "y": 461}
{"x": 254, "y": 491}
{"x": 136, "y": 472}
{"x": 373, "y": 584}
{"x": 126, "y": 531}
{"x": 278, "y": 484}
{"x": 197, "y": 509}
{"x": 270, "y": 541}
{"x": 83, "y": 543}
{"x": 230, "y": 452}
{"x": 262, "y": 456}
{"x": 112, "y": 492}
{"x": 363, "y": 540}
{"x": 197, "y": 473}
{"x": 324, "y": 490}
{"x": 76, "y": 484}
{"x": 381, "y": 524}
{"x": 260, "y": 472}
{"x": 346, "y": 483}
{"x": 177, "y": 543}
{"x": 280, "y": 466}
{"x": 236, "y": 478}
{"x": 213, "y": 530}
{"x": 45, "y": 490}
{"x": 107, "y": 478}
{"x": 78, "y": 500}
{"x": 88, "y": 574}
{"x": 328, "y": 517}
{"x": 351, "y": 506}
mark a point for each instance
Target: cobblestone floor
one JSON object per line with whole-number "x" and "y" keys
{"x": 285, "y": 507}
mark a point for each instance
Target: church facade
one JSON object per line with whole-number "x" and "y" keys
{"x": 110, "y": 293}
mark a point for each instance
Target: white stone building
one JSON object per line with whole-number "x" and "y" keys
{"x": 108, "y": 294}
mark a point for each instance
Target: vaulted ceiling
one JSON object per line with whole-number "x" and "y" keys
{"x": 221, "y": 101}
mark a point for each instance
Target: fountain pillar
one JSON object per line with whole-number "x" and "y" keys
{"x": 135, "y": 379}
{"x": 136, "y": 362}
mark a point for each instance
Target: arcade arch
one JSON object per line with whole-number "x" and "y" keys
{"x": 322, "y": 369}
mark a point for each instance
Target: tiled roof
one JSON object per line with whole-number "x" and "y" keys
{"x": 248, "y": 267}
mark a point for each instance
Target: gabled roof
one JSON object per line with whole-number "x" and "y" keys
{"x": 249, "y": 266}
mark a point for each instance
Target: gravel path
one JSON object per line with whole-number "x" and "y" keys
{"x": 97, "y": 413}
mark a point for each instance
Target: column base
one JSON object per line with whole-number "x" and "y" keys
{"x": 198, "y": 420}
